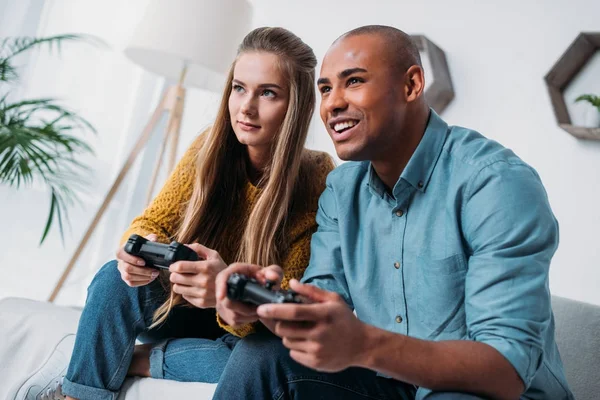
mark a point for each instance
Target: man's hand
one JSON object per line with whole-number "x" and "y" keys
{"x": 195, "y": 280}
{"x": 236, "y": 313}
{"x": 132, "y": 269}
{"x": 325, "y": 335}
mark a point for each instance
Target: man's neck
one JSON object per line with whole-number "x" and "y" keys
{"x": 389, "y": 165}
{"x": 389, "y": 173}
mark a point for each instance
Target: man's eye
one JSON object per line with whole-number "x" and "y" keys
{"x": 353, "y": 81}
{"x": 325, "y": 89}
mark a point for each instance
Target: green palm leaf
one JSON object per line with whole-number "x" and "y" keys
{"x": 39, "y": 138}
{"x": 8, "y": 73}
{"x": 11, "y": 47}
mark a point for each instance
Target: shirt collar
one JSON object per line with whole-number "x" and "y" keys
{"x": 420, "y": 167}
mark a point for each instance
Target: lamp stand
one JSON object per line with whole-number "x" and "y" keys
{"x": 172, "y": 102}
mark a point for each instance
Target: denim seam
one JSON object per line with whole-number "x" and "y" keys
{"x": 125, "y": 354}
{"x": 315, "y": 380}
{"x": 194, "y": 348}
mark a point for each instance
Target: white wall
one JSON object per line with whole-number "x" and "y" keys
{"x": 498, "y": 53}
{"x": 116, "y": 97}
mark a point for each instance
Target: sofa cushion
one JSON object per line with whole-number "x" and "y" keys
{"x": 31, "y": 329}
{"x": 578, "y": 340}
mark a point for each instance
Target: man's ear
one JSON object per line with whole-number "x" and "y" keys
{"x": 414, "y": 83}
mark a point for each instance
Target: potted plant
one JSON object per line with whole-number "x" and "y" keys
{"x": 40, "y": 140}
{"x": 592, "y": 116}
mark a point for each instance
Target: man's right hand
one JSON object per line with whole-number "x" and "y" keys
{"x": 236, "y": 313}
{"x": 132, "y": 268}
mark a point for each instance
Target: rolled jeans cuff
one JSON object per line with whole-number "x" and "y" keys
{"x": 157, "y": 360}
{"x": 83, "y": 392}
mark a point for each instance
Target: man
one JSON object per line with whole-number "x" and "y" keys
{"x": 438, "y": 238}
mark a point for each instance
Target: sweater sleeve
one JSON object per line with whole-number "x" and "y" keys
{"x": 302, "y": 225}
{"x": 164, "y": 214}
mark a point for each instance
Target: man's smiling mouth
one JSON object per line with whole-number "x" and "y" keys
{"x": 342, "y": 126}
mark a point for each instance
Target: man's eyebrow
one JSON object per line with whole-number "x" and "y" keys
{"x": 344, "y": 74}
{"x": 350, "y": 71}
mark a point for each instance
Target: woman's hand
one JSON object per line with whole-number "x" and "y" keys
{"x": 236, "y": 313}
{"x": 195, "y": 280}
{"x": 132, "y": 268}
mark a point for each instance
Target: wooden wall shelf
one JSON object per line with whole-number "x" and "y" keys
{"x": 562, "y": 73}
{"x": 440, "y": 93}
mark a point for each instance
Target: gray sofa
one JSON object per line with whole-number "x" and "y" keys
{"x": 578, "y": 339}
{"x": 30, "y": 329}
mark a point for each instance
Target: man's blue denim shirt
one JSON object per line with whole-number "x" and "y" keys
{"x": 460, "y": 250}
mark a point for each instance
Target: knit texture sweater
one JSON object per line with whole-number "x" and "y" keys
{"x": 165, "y": 213}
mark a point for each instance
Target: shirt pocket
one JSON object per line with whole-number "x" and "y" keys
{"x": 441, "y": 293}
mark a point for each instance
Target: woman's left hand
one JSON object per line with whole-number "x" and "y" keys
{"x": 195, "y": 280}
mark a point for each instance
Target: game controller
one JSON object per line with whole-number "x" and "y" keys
{"x": 249, "y": 290}
{"x": 158, "y": 255}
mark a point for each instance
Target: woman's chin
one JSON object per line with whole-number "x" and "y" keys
{"x": 251, "y": 139}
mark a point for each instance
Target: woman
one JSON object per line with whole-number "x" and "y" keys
{"x": 246, "y": 190}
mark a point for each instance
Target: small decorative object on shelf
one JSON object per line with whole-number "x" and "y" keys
{"x": 563, "y": 72}
{"x": 592, "y": 115}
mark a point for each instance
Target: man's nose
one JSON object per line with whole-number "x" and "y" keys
{"x": 336, "y": 101}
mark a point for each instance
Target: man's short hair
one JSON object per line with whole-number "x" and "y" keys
{"x": 402, "y": 49}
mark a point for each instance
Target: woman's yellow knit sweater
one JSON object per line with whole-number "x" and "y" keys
{"x": 164, "y": 215}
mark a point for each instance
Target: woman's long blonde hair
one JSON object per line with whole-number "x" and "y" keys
{"x": 221, "y": 164}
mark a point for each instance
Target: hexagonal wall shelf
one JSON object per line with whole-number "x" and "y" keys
{"x": 440, "y": 93}
{"x": 563, "y": 72}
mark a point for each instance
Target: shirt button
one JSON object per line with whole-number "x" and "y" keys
{"x": 397, "y": 265}
{"x": 399, "y": 213}
{"x": 420, "y": 184}
{"x": 398, "y": 319}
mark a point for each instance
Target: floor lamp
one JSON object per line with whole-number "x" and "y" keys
{"x": 193, "y": 41}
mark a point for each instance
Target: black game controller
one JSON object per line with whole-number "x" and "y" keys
{"x": 158, "y": 255}
{"x": 248, "y": 290}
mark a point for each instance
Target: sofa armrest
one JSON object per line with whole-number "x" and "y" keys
{"x": 31, "y": 329}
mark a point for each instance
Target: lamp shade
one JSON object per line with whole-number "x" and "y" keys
{"x": 202, "y": 34}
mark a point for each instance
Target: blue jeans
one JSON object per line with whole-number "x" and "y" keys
{"x": 189, "y": 346}
{"x": 260, "y": 368}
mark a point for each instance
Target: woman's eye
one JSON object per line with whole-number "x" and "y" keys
{"x": 268, "y": 93}
{"x": 238, "y": 88}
